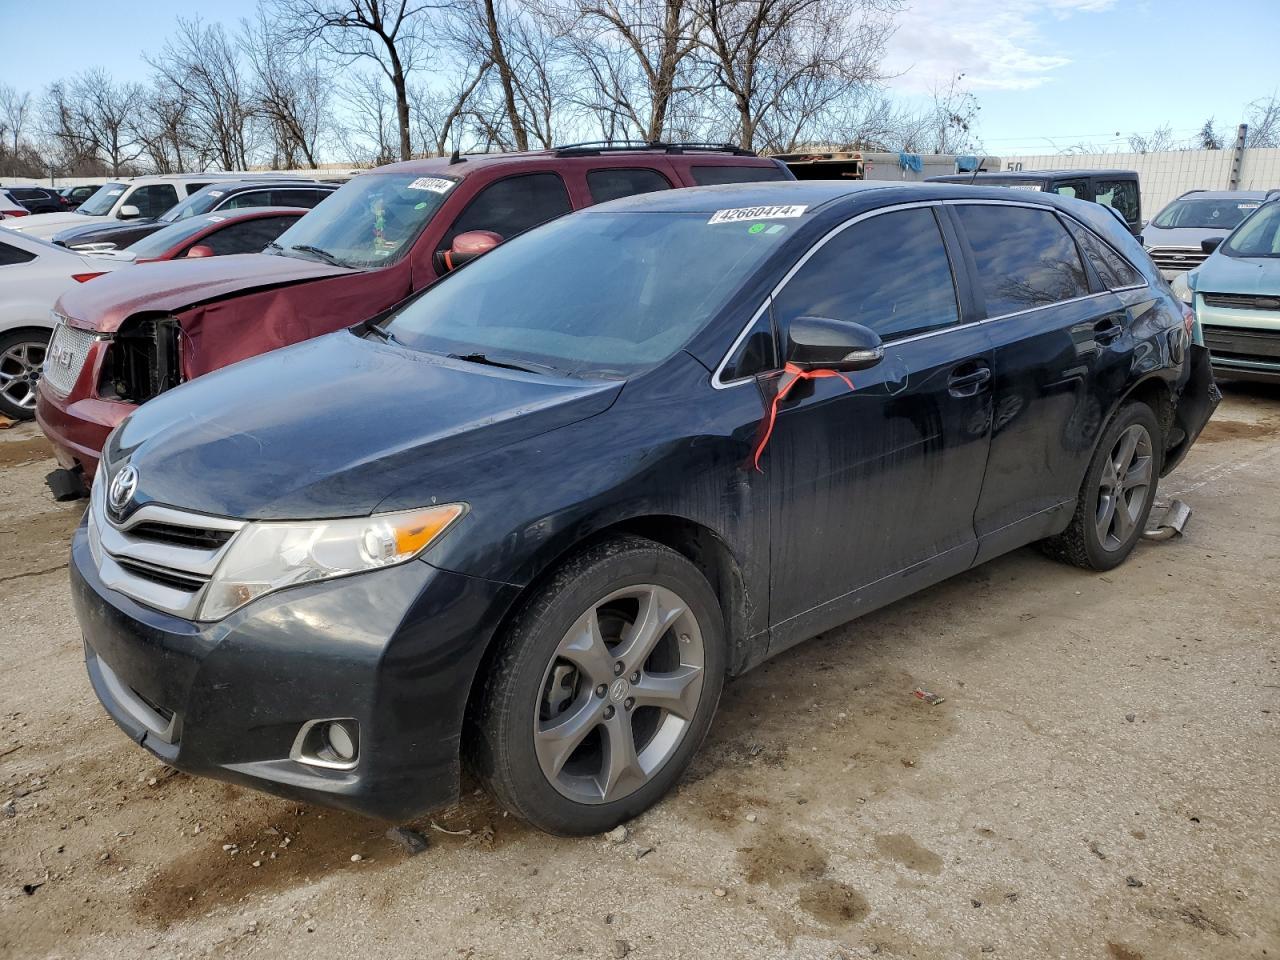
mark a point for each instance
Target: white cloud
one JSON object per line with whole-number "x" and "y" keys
{"x": 996, "y": 46}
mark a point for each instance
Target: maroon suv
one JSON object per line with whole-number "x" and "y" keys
{"x": 382, "y": 236}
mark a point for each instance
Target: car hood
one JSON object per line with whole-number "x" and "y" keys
{"x": 177, "y": 284}
{"x": 88, "y": 232}
{"x": 1223, "y": 274}
{"x": 47, "y": 224}
{"x": 1178, "y": 236}
{"x": 333, "y": 426}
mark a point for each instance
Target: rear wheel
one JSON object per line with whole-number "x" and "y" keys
{"x": 21, "y": 360}
{"x": 1116, "y": 496}
{"x": 604, "y": 688}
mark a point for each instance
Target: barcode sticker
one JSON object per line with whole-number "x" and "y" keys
{"x": 775, "y": 212}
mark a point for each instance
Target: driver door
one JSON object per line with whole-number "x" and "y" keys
{"x": 873, "y": 489}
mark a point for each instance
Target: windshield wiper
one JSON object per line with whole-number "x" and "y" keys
{"x": 526, "y": 367}
{"x": 324, "y": 255}
{"x": 382, "y": 333}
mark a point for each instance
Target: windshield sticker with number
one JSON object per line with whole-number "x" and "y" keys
{"x": 775, "y": 212}
{"x": 434, "y": 184}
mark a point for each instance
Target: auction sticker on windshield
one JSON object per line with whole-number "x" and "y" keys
{"x": 776, "y": 212}
{"x": 434, "y": 184}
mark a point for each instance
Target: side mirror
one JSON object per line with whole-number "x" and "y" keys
{"x": 466, "y": 247}
{"x": 200, "y": 250}
{"x": 821, "y": 343}
{"x": 1212, "y": 244}
{"x": 129, "y": 212}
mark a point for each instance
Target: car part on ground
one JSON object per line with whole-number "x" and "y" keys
{"x": 317, "y": 634}
{"x": 1171, "y": 524}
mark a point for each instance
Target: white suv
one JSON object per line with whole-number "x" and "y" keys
{"x": 122, "y": 199}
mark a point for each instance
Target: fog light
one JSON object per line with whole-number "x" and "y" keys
{"x": 332, "y": 743}
{"x": 338, "y": 739}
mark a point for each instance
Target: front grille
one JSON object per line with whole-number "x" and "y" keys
{"x": 68, "y": 348}
{"x": 1242, "y": 301}
{"x": 1235, "y": 343}
{"x": 160, "y": 556}
{"x": 1177, "y": 259}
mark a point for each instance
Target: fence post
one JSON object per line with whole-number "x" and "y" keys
{"x": 1237, "y": 157}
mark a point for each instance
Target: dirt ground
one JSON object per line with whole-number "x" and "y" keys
{"x": 1102, "y": 780}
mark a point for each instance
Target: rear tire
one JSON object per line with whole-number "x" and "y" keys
{"x": 603, "y": 688}
{"x": 1116, "y": 495}
{"x": 21, "y": 360}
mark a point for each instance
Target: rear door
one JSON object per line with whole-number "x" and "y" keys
{"x": 1063, "y": 349}
{"x": 872, "y": 483}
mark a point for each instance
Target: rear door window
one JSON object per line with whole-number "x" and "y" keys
{"x": 709, "y": 175}
{"x": 1119, "y": 194}
{"x": 513, "y": 205}
{"x": 606, "y": 185}
{"x": 890, "y": 273}
{"x": 250, "y": 198}
{"x": 153, "y": 199}
{"x": 1079, "y": 189}
{"x": 193, "y": 187}
{"x": 1114, "y": 270}
{"x": 1025, "y": 257}
{"x": 298, "y": 198}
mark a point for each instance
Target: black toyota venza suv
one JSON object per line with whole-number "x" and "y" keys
{"x": 533, "y": 517}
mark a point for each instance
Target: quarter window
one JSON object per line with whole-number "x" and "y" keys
{"x": 9, "y": 255}
{"x": 513, "y": 205}
{"x": 608, "y": 185}
{"x": 889, "y": 272}
{"x": 1121, "y": 195}
{"x": 1114, "y": 270}
{"x": 1025, "y": 257}
{"x": 705, "y": 175}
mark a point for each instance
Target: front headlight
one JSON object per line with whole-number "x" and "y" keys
{"x": 268, "y": 556}
{"x": 1181, "y": 287}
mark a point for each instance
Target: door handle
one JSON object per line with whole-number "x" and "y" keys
{"x": 966, "y": 380}
{"x": 1107, "y": 330}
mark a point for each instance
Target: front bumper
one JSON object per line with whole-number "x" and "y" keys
{"x": 1245, "y": 343}
{"x": 395, "y": 649}
{"x": 78, "y": 429}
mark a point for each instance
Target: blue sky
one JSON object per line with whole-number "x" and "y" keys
{"x": 1048, "y": 73}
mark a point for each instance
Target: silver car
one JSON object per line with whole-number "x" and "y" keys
{"x": 1173, "y": 237}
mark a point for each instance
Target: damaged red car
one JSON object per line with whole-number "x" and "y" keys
{"x": 362, "y": 250}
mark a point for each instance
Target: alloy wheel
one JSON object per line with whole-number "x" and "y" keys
{"x": 1124, "y": 487}
{"x": 619, "y": 693}
{"x": 20, "y": 367}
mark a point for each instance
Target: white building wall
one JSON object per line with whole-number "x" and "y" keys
{"x": 1163, "y": 176}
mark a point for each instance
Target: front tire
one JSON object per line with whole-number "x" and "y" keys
{"x": 1116, "y": 496}
{"x": 604, "y": 687}
{"x": 21, "y": 362}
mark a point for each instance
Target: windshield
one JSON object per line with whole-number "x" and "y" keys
{"x": 368, "y": 222}
{"x": 1259, "y": 236}
{"x": 158, "y": 243}
{"x": 1205, "y": 214}
{"x": 202, "y": 201}
{"x": 100, "y": 204}
{"x": 595, "y": 293}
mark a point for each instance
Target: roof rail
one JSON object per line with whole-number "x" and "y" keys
{"x": 596, "y": 147}
{"x": 1271, "y": 194}
{"x": 1188, "y": 193}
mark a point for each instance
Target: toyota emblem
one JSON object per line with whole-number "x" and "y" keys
{"x": 123, "y": 486}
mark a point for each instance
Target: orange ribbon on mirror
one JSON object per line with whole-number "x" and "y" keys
{"x": 791, "y": 375}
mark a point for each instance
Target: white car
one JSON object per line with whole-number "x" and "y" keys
{"x": 11, "y": 208}
{"x": 124, "y": 199}
{"x": 33, "y": 274}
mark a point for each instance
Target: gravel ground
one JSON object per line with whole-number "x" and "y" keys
{"x": 1100, "y": 781}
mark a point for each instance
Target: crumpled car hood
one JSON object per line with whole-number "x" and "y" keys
{"x": 333, "y": 426}
{"x": 174, "y": 285}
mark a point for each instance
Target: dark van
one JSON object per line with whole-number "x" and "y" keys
{"x": 1117, "y": 189}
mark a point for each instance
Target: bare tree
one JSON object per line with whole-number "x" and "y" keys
{"x": 15, "y": 109}
{"x": 201, "y": 66}
{"x": 391, "y": 33}
{"x": 637, "y": 55}
{"x": 762, "y": 51}
{"x": 289, "y": 92}
{"x": 91, "y": 119}
{"x": 162, "y": 130}
{"x": 1263, "y": 117}
{"x": 1158, "y": 140}
{"x": 373, "y": 137}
